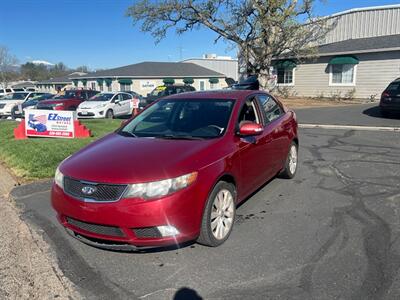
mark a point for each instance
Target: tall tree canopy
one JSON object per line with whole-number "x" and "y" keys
{"x": 261, "y": 29}
{"x": 7, "y": 62}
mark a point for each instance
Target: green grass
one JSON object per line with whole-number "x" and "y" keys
{"x": 37, "y": 158}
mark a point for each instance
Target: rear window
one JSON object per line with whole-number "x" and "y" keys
{"x": 393, "y": 87}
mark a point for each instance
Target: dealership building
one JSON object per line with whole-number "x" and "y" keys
{"x": 358, "y": 58}
{"x": 144, "y": 77}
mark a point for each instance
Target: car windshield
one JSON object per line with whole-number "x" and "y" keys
{"x": 158, "y": 91}
{"x": 182, "y": 119}
{"x": 102, "y": 97}
{"x": 67, "y": 95}
{"x": 15, "y": 96}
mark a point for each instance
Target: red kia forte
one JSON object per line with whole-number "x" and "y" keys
{"x": 177, "y": 171}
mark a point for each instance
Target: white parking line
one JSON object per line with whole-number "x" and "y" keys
{"x": 350, "y": 127}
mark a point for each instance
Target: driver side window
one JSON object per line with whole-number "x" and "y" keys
{"x": 249, "y": 113}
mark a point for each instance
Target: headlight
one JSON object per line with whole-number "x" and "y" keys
{"x": 59, "y": 178}
{"x": 58, "y": 104}
{"x": 159, "y": 188}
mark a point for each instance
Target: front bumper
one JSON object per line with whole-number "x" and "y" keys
{"x": 90, "y": 113}
{"x": 6, "y": 111}
{"x": 183, "y": 210}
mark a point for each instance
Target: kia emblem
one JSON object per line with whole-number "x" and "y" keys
{"x": 89, "y": 190}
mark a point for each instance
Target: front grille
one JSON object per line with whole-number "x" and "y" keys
{"x": 89, "y": 114}
{"x": 2, "y": 105}
{"x": 148, "y": 232}
{"x": 102, "y": 192}
{"x": 94, "y": 228}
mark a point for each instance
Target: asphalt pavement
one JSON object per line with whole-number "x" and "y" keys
{"x": 330, "y": 233}
{"x": 360, "y": 115}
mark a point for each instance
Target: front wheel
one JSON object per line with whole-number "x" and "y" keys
{"x": 290, "y": 167}
{"x": 109, "y": 114}
{"x": 219, "y": 215}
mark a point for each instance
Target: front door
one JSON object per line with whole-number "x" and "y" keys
{"x": 254, "y": 151}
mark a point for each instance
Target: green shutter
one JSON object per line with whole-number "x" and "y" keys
{"x": 108, "y": 82}
{"x": 125, "y": 81}
{"x": 285, "y": 64}
{"x": 84, "y": 82}
{"x": 99, "y": 81}
{"x": 169, "y": 81}
{"x": 344, "y": 60}
{"x": 213, "y": 80}
{"x": 188, "y": 80}
{"x": 76, "y": 82}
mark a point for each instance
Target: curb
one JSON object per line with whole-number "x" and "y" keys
{"x": 350, "y": 127}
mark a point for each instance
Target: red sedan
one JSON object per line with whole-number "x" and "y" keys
{"x": 177, "y": 171}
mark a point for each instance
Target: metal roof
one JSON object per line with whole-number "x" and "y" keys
{"x": 155, "y": 70}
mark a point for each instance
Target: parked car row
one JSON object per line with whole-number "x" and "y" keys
{"x": 87, "y": 103}
{"x": 5, "y": 91}
{"x": 10, "y": 103}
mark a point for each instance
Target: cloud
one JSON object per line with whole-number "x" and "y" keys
{"x": 42, "y": 62}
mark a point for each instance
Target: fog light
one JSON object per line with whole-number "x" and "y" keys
{"x": 168, "y": 230}
{"x": 101, "y": 112}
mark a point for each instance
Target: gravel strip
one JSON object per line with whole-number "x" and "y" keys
{"x": 27, "y": 270}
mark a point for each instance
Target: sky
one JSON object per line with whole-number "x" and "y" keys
{"x": 96, "y": 33}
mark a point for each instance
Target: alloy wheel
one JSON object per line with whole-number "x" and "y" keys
{"x": 293, "y": 159}
{"x": 222, "y": 214}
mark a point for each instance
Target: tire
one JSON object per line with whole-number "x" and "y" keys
{"x": 109, "y": 114}
{"x": 218, "y": 213}
{"x": 13, "y": 112}
{"x": 290, "y": 169}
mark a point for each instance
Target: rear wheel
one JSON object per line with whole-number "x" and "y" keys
{"x": 109, "y": 114}
{"x": 290, "y": 169}
{"x": 219, "y": 215}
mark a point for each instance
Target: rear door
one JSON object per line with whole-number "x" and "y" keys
{"x": 278, "y": 124}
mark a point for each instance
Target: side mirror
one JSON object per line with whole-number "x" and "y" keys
{"x": 250, "y": 129}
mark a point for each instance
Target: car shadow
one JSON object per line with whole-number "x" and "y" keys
{"x": 375, "y": 112}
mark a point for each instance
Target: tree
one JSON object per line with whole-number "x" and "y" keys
{"x": 35, "y": 72}
{"x": 262, "y": 30}
{"x": 7, "y": 62}
{"x": 58, "y": 70}
{"x": 82, "y": 69}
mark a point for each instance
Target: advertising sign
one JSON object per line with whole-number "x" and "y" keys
{"x": 147, "y": 84}
{"x": 49, "y": 123}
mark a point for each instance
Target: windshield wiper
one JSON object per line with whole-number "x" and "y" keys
{"x": 127, "y": 133}
{"x": 178, "y": 137}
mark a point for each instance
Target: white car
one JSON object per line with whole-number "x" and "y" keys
{"x": 106, "y": 105}
{"x": 10, "y": 101}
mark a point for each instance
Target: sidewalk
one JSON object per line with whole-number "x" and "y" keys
{"x": 27, "y": 269}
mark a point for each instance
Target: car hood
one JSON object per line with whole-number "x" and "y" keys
{"x": 120, "y": 159}
{"x": 91, "y": 104}
{"x": 11, "y": 102}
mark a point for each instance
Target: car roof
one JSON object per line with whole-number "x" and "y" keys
{"x": 216, "y": 94}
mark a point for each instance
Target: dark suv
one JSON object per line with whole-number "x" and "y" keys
{"x": 68, "y": 100}
{"x": 166, "y": 90}
{"x": 390, "y": 99}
